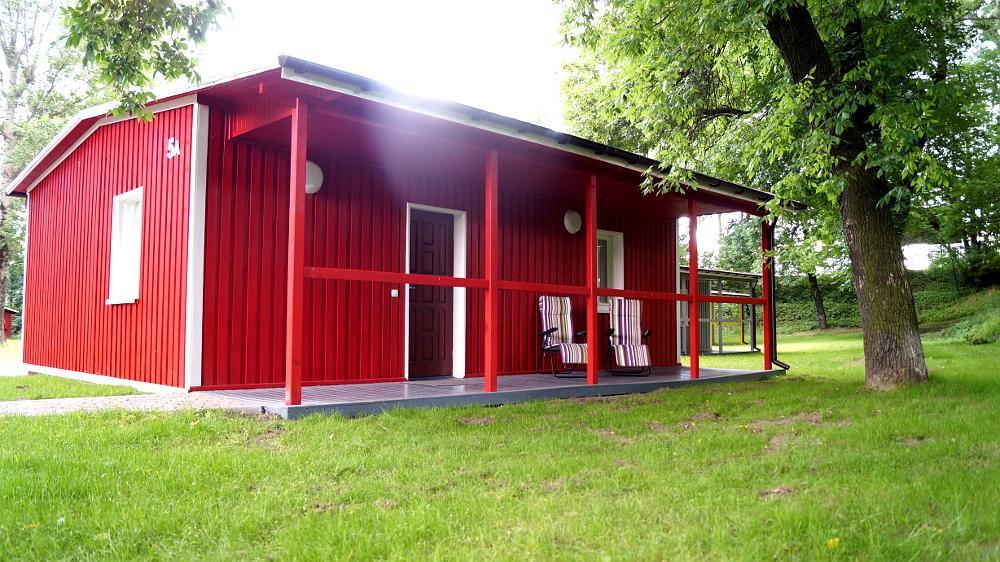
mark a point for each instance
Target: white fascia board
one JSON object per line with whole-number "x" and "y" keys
{"x": 89, "y": 113}
{"x": 158, "y": 108}
{"x": 104, "y": 109}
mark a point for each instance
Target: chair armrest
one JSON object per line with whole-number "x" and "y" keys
{"x": 549, "y": 332}
{"x": 580, "y": 334}
{"x": 647, "y": 333}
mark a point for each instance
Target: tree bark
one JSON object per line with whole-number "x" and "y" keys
{"x": 893, "y": 351}
{"x": 818, "y": 301}
{"x": 894, "y": 354}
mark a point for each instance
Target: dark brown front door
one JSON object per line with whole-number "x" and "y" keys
{"x": 432, "y": 249}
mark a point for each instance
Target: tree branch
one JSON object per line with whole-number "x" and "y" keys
{"x": 795, "y": 35}
{"x": 721, "y": 111}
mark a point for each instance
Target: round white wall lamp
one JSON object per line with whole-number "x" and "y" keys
{"x": 314, "y": 177}
{"x": 572, "y": 221}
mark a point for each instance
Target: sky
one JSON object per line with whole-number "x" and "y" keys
{"x": 501, "y": 56}
{"x": 504, "y": 57}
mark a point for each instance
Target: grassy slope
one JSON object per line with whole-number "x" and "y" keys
{"x": 975, "y": 318}
{"x": 906, "y": 474}
{"x": 964, "y": 313}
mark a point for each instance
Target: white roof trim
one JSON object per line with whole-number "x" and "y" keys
{"x": 158, "y": 108}
{"x": 344, "y": 88}
{"x": 102, "y": 111}
{"x": 89, "y": 113}
{"x": 352, "y": 90}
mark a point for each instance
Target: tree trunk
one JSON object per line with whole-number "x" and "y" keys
{"x": 8, "y": 138}
{"x": 953, "y": 263}
{"x": 818, "y": 300}
{"x": 4, "y": 281}
{"x": 893, "y": 351}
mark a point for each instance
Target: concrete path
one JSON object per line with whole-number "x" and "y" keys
{"x": 136, "y": 402}
{"x": 12, "y": 369}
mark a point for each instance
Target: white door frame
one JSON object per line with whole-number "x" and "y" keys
{"x": 677, "y": 287}
{"x": 460, "y": 247}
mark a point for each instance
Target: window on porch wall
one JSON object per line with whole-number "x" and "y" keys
{"x": 610, "y": 265}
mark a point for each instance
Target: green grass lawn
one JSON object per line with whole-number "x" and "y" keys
{"x": 10, "y": 351}
{"x": 35, "y": 387}
{"x": 806, "y": 466}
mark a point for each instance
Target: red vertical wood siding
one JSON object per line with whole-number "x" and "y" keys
{"x": 354, "y": 331}
{"x": 69, "y": 326}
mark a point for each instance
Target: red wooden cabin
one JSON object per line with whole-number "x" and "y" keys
{"x": 8, "y": 321}
{"x": 186, "y": 252}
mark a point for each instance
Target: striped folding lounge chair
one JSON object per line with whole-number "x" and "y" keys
{"x": 626, "y": 349}
{"x": 557, "y": 337}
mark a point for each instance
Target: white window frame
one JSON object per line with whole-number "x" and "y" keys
{"x": 616, "y": 264}
{"x": 126, "y": 250}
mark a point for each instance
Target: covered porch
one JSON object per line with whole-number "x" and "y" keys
{"x": 374, "y": 398}
{"x": 504, "y": 186}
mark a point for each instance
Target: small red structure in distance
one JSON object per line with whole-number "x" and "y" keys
{"x": 8, "y": 321}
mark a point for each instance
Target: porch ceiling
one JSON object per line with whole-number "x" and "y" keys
{"x": 413, "y": 143}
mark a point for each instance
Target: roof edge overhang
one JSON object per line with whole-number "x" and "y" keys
{"x": 80, "y": 124}
{"x": 76, "y": 127}
{"x": 332, "y": 79}
{"x": 317, "y": 75}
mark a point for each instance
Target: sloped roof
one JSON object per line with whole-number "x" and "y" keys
{"x": 353, "y": 84}
{"x": 320, "y": 76}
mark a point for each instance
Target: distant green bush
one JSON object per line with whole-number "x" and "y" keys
{"x": 797, "y": 312}
{"x": 973, "y": 267}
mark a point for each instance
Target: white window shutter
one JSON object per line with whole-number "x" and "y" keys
{"x": 126, "y": 248}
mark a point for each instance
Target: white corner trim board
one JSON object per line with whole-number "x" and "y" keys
{"x": 147, "y": 387}
{"x": 195, "y": 282}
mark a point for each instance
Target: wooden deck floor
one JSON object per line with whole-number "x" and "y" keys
{"x": 361, "y": 399}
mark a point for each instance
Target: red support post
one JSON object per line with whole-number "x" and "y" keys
{"x": 695, "y": 332}
{"x": 491, "y": 252}
{"x": 590, "y": 223}
{"x": 765, "y": 245}
{"x": 296, "y": 255}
